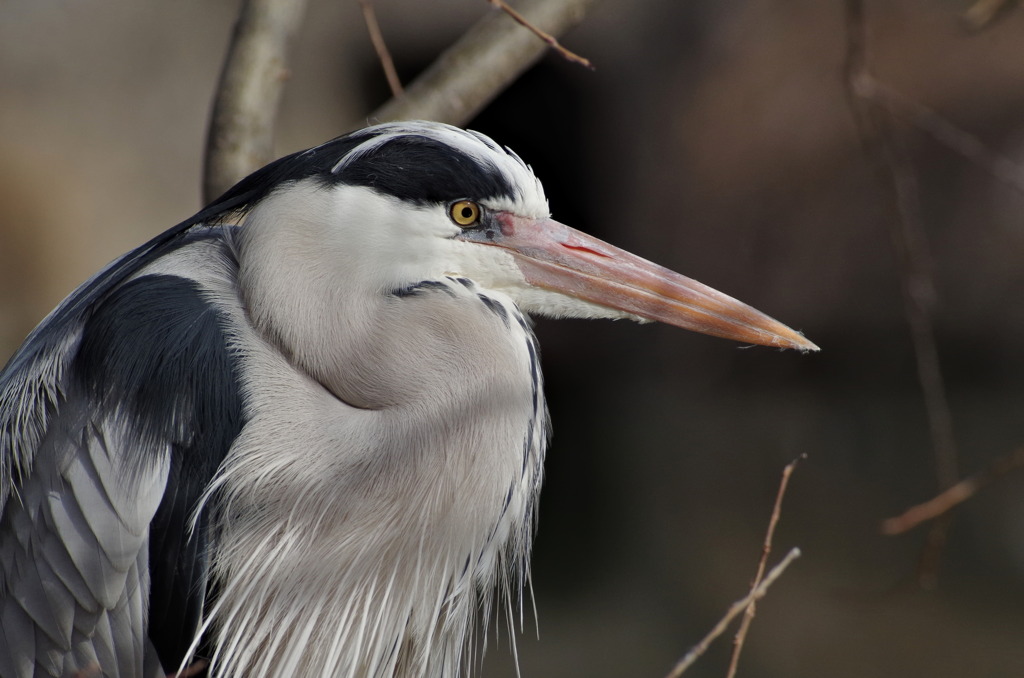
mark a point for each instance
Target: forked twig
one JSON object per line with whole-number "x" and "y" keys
{"x": 758, "y": 588}
{"x": 748, "y": 617}
{"x": 489, "y": 56}
{"x": 546, "y": 37}
{"x": 379, "y": 46}
{"x": 735, "y": 610}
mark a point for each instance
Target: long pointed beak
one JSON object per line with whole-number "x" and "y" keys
{"x": 556, "y": 257}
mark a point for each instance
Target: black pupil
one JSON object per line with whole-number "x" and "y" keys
{"x": 467, "y": 213}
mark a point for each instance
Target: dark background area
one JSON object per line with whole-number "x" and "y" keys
{"x": 716, "y": 138}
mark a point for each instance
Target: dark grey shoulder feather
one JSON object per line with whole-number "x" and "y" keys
{"x": 114, "y": 416}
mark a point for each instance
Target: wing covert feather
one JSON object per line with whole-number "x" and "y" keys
{"x": 119, "y": 426}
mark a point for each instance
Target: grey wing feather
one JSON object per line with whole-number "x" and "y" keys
{"x": 73, "y": 557}
{"x": 108, "y": 435}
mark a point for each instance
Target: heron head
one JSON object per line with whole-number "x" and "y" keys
{"x": 416, "y": 201}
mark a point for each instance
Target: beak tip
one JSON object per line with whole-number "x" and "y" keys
{"x": 802, "y": 344}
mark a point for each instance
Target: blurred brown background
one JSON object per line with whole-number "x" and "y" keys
{"x": 715, "y": 137}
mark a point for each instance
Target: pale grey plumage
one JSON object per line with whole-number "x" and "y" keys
{"x": 378, "y": 467}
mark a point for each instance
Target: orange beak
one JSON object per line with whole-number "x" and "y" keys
{"x": 556, "y": 257}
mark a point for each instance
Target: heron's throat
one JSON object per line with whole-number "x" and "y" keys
{"x": 372, "y": 545}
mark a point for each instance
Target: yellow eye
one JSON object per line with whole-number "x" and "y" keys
{"x": 465, "y": 213}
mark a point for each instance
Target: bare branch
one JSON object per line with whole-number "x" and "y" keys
{"x": 735, "y": 610}
{"x": 550, "y": 40}
{"x": 492, "y": 54}
{"x": 909, "y": 242}
{"x": 242, "y": 126}
{"x": 766, "y": 550}
{"x": 943, "y": 131}
{"x": 958, "y": 493}
{"x": 377, "y": 38}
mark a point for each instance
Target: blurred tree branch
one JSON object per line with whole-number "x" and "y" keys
{"x": 957, "y": 494}
{"x": 909, "y": 240}
{"x": 482, "y": 63}
{"x": 981, "y": 13}
{"x": 942, "y": 130}
{"x": 464, "y": 79}
{"x": 245, "y": 106}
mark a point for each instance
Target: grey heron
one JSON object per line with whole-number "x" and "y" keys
{"x": 301, "y": 433}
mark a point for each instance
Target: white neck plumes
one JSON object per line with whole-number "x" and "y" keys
{"x": 382, "y": 491}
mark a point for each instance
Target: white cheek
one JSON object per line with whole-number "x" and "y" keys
{"x": 384, "y": 242}
{"x": 490, "y": 267}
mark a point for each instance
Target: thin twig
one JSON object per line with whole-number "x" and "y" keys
{"x": 379, "y": 46}
{"x": 748, "y": 617}
{"x": 485, "y": 60}
{"x": 983, "y": 12}
{"x": 909, "y": 241}
{"x": 241, "y": 130}
{"x": 549, "y": 39}
{"x": 943, "y": 131}
{"x": 735, "y": 610}
{"x": 957, "y": 494}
